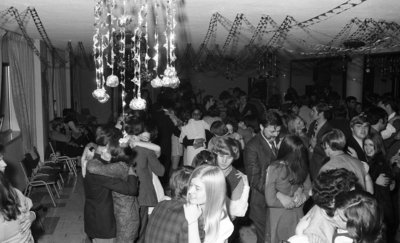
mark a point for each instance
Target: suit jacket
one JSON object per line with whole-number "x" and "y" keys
{"x": 258, "y": 156}
{"x": 395, "y": 121}
{"x": 352, "y": 143}
{"x": 318, "y": 157}
{"x": 99, "y": 218}
{"x": 146, "y": 163}
{"x": 165, "y": 128}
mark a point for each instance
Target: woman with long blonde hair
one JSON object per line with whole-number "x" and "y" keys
{"x": 207, "y": 201}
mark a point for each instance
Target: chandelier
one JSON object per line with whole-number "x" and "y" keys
{"x": 121, "y": 48}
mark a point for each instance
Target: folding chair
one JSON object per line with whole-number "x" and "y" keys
{"x": 47, "y": 181}
{"x": 70, "y": 162}
{"x": 40, "y": 167}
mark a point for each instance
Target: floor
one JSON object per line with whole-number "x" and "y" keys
{"x": 65, "y": 222}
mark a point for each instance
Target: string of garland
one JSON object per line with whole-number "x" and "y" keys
{"x": 20, "y": 18}
{"x": 233, "y": 31}
{"x": 43, "y": 34}
{"x": 99, "y": 93}
{"x": 334, "y": 11}
{"x": 14, "y": 12}
{"x": 156, "y": 82}
{"x": 137, "y": 103}
{"x": 121, "y": 23}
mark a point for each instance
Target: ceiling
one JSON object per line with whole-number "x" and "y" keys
{"x": 72, "y": 20}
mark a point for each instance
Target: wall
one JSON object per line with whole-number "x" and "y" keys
{"x": 311, "y": 72}
{"x": 83, "y": 84}
{"x": 214, "y": 83}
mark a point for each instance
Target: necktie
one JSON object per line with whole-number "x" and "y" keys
{"x": 315, "y": 129}
{"x": 273, "y": 146}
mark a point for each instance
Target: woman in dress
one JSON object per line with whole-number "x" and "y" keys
{"x": 287, "y": 188}
{"x": 207, "y": 201}
{"x": 194, "y": 129}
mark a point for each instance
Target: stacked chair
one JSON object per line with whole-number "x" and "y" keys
{"x": 70, "y": 162}
{"x": 38, "y": 174}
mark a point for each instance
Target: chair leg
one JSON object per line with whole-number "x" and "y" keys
{"x": 55, "y": 189}
{"x": 59, "y": 185}
{"x": 51, "y": 195}
{"x": 73, "y": 167}
{"x": 61, "y": 178}
{"x": 68, "y": 165}
{"x": 26, "y": 190}
{"x": 29, "y": 191}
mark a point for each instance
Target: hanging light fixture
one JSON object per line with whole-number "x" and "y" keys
{"x": 116, "y": 47}
{"x": 170, "y": 77}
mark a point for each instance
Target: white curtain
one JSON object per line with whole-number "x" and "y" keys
{"x": 55, "y": 77}
{"x": 22, "y": 86}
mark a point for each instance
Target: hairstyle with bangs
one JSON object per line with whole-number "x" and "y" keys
{"x": 227, "y": 146}
{"x": 291, "y": 124}
{"x": 377, "y": 140}
{"x": 215, "y": 206}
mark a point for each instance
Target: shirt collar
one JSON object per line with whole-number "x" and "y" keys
{"x": 269, "y": 143}
{"x": 391, "y": 115}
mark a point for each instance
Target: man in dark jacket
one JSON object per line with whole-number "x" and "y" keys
{"x": 260, "y": 151}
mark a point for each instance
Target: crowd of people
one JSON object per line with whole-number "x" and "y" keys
{"x": 313, "y": 168}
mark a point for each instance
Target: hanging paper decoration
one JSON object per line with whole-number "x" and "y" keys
{"x": 137, "y": 103}
{"x": 112, "y": 81}
{"x": 128, "y": 38}
{"x": 99, "y": 46}
{"x": 170, "y": 78}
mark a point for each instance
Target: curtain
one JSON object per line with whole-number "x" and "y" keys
{"x": 1, "y": 79}
{"x": 55, "y": 79}
{"x": 22, "y": 87}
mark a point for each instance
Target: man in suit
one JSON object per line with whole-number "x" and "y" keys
{"x": 321, "y": 114}
{"x": 355, "y": 144}
{"x": 260, "y": 151}
{"x": 392, "y": 129}
{"x": 165, "y": 128}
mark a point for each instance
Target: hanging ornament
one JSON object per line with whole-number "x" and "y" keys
{"x": 156, "y": 82}
{"x": 104, "y": 99}
{"x": 137, "y": 103}
{"x": 170, "y": 78}
{"x": 99, "y": 93}
{"x": 112, "y": 81}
